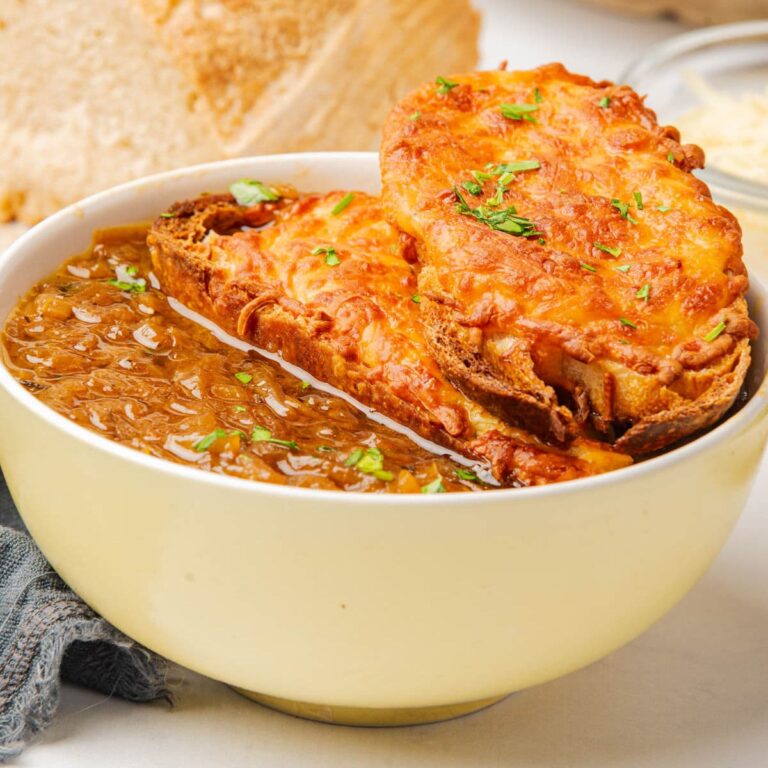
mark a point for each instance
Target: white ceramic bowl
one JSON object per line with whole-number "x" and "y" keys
{"x": 363, "y": 608}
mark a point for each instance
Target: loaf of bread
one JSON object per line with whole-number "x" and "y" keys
{"x": 98, "y": 92}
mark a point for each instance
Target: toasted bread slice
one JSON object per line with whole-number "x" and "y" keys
{"x": 335, "y": 294}
{"x": 575, "y": 273}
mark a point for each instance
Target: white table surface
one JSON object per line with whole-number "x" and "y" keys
{"x": 692, "y": 691}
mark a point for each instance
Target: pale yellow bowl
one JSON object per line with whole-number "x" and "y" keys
{"x": 351, "y": 607}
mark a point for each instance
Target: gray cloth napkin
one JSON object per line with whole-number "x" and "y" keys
{"x": 47, "y": 633}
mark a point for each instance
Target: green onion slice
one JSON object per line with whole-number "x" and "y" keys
{"x": 343, "y": 203}
{"x": 436, "y": 486}
{"x": 519, "y": 111}
{"x": 715, "y": 332}
{"x": 615, "y": 252}
{"x": 251, "y": 192}
{"x": 445, "y": 85}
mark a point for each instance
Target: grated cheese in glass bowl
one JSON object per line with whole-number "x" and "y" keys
{"x": 713, "y": 85}
{"x": 732, "y": 129}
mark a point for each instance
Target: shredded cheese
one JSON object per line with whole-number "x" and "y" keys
{"x": 731, "y": 129}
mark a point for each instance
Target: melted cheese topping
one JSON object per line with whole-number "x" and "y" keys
{"x": 687, "y": 253}
{"x": 629, "y": 264}
{"x": 344, "y": 281}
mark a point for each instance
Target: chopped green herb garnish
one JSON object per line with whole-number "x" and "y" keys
{"x": 504, "y": 220}
{"x": 604, "y": 103}
{"x": 671, "y": 158}
{"x": 416, "y": 299}
{"x": 263, "y": 435}
{"x": 506, "y": 173}
{"x": 519, "y": 112}
{"x": 414, "y": 115}
{"x": 354, "y": 457}
{"x": 466, "y": 474}
{"x": 243, "y": 377}
{"x": 663, "y": 208}
{"x": 480, "y": 176}
{"x": 644, "y": 292}
{"x": 615, "y": 252}
{"x": 505, "y": 178}
{"x": 715, "y": 332}
{"x": 537, "y": 96}
{"x": 542, "y": 241}
{"x": 343, "y": 203}
{"x": 132, "y": 270}
{"x": 623, "y": 209}
{"x": 168, "y": 215}
{"x": 588, "y": 267}
{"x": 291, "y": 444}
{"x": 638, "y": 200}
{"x": 324, "y": 448}
{"x": 205, "y": 443}
{"x": 251, "y": 192}
{"x": 137, "y": 286}
{"x": 370, "y": 462}
{"x": 472, "y": 187}
{"x": 445, "y": 85}
{"x": 331, "y": 257}
{"x": 628, "y": 323}
{"x": 623, "y": 268}
{"x": 305, "y": 385}
{"x": 515, "y": 167}
{"x": 501, "y": 188}
{"x": 436, "y": 486}
{"x": 240, "y": 408}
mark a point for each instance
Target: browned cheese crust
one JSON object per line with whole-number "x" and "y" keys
{"x": 334, "y": 294}
{"x": 599, "y": 287}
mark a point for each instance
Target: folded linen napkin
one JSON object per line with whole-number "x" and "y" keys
{"x": 47, "y": 633}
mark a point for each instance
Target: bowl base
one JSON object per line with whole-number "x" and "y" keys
{"x": 370, "y": 716}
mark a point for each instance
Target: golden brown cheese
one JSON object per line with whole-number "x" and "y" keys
{"x": 335, "y": 294}
{"x": 601, "y": 283}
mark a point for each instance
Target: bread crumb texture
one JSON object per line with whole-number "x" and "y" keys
{"x": 94, "y": 94}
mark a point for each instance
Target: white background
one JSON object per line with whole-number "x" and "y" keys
{"x": 693, "y": 691}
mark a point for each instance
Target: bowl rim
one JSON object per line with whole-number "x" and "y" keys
{"x": 740, "y": 191}
{"x": 757, "y": 404}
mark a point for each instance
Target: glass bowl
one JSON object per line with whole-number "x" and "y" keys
{"x": 731, "y": 59}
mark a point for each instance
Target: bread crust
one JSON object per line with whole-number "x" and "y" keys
{"x": 622, "y": 311}
{"x": 353, "y": 324}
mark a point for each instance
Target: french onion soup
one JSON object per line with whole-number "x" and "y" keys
{"x": 102, "y": 343}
